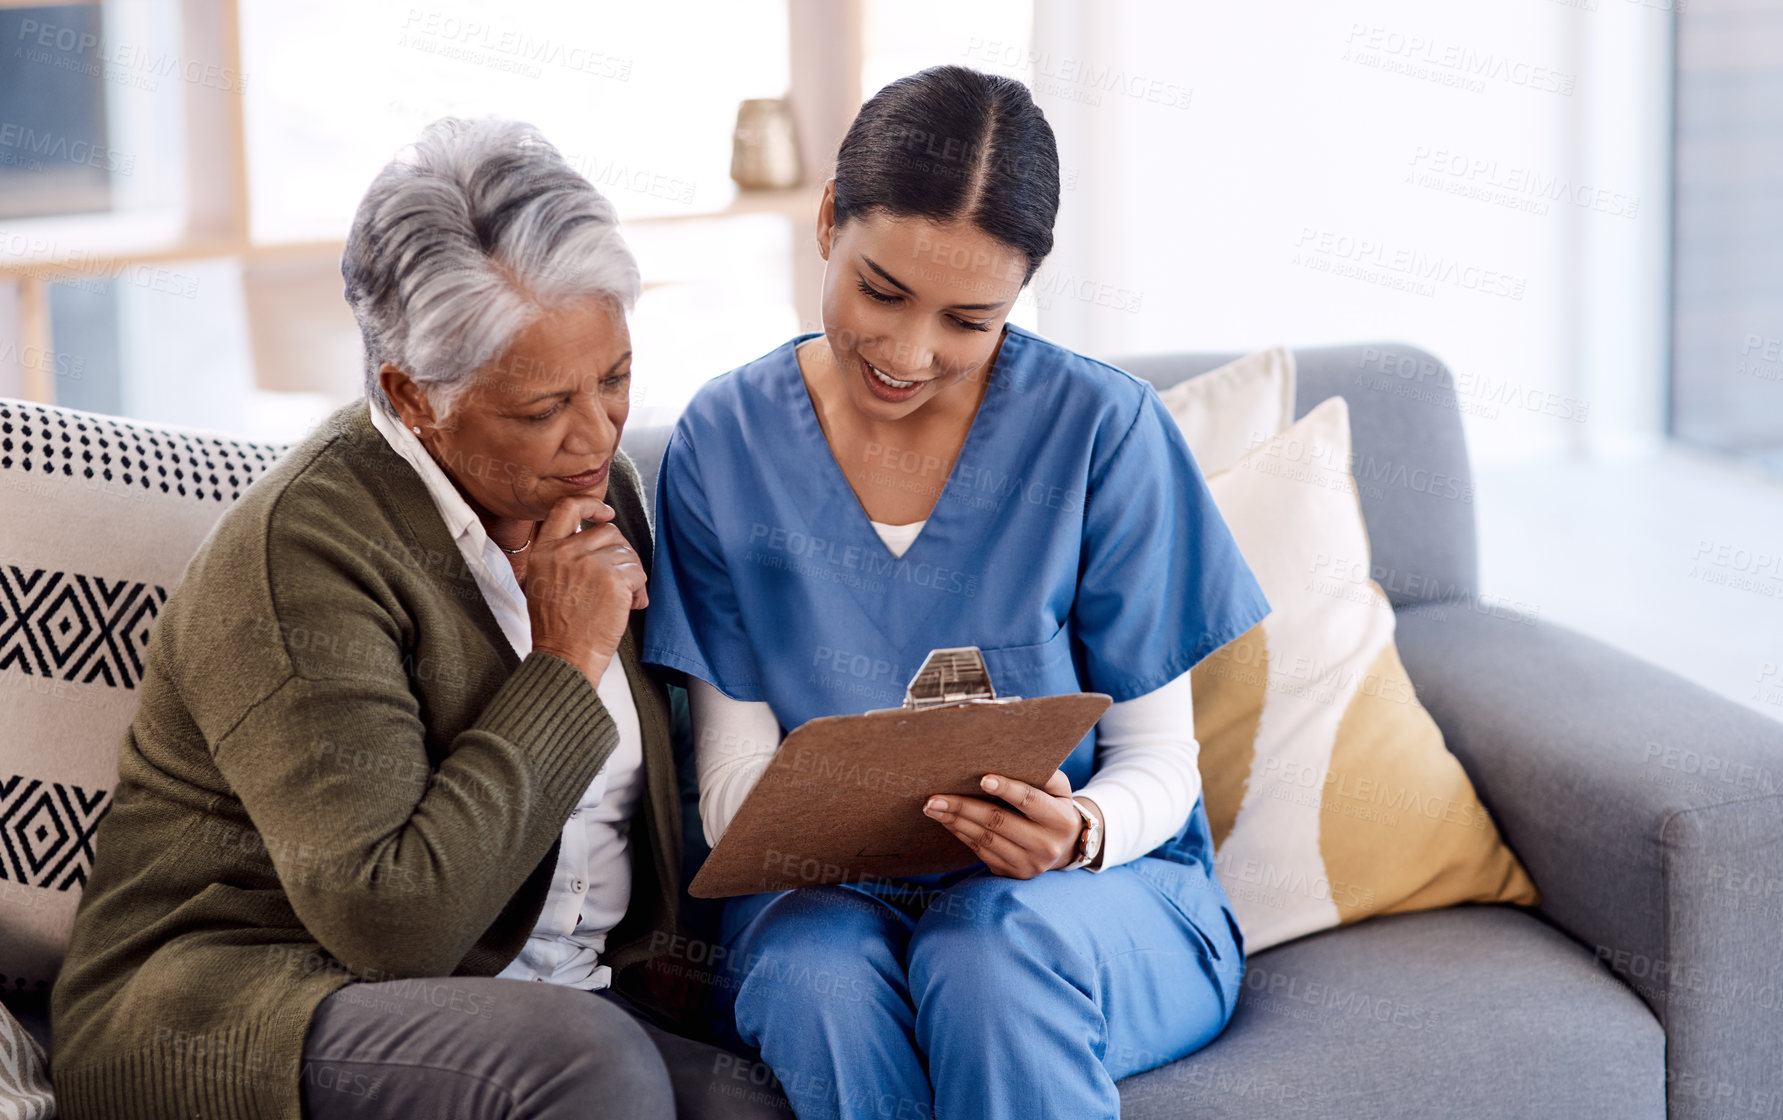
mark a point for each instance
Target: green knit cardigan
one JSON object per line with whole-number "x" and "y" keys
{"x": 339, "y": 771}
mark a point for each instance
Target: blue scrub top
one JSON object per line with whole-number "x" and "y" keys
{"x": 1075, "y": 543}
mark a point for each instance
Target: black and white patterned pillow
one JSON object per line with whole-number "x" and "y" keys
{"x": 98, "y": 519}
{"x": 59, "y": 442}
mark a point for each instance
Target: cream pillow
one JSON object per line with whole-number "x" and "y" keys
{"x": 1330, "y": 794}
{"x": 25, "y": 1092}
{"x": 1225, "y": 412}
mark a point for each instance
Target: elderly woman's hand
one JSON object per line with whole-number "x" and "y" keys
{"x": 582, "y": 587}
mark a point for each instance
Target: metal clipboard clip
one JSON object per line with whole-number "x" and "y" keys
{"x": 951, "y": 678}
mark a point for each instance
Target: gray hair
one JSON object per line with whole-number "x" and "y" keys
{"x": 463, "y": 241}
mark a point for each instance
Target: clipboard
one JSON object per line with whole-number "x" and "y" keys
{"x": 842, "y": 800}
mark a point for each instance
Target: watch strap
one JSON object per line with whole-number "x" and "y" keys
{"x": 1089, "y": 841}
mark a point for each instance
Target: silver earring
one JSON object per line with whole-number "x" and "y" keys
{"x": 416, "y": 429}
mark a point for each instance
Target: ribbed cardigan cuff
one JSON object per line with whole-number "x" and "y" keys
{"x": 550, "y": 708}
{"x": 249, "y": 1072}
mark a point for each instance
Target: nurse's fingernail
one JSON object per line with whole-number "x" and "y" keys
{"x": 935, "y": 805}
{"x": 989, "y": 783}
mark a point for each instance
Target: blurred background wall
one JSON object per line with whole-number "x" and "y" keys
{"x": 1575, "y": 203}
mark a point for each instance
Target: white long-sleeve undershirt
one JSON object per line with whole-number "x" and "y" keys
{"x": 1146, "y": 786}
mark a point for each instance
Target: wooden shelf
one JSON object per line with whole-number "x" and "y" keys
{"x": 133, "y": 249}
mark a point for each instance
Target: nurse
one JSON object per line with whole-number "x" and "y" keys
{"x": 923, "y": 474}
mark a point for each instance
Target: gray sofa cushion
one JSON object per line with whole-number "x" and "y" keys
{"x": 645, "y": 445}
{"x": 1473, "y": 1011}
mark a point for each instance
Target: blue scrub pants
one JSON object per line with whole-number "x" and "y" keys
{"x": 974, "y": 996}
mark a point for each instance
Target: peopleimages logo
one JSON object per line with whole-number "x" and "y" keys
{"x": 505, "y": 48}
{"x": 1399, "y": 266}
{"x": 1422, "y": 56}
{"x": 58, "y": 149}
{"x": 69, "y": 48}
{"x": 81, "y": 268}
{"x": 1420, "y": 377}
{"x": 613, "y": 174}
{"x": 1078, "y": 79}
{"x": 822, "y": 558}
{"x": 1762, "y": 357}
{"x": 1521, "y": 188}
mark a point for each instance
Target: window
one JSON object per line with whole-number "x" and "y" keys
{"x": 53, "y": 129}
{"x": 1727, "y": 345}
{"x": 176, "y": 179}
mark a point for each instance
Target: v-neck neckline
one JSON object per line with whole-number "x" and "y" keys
{"x": 814, "y": 429}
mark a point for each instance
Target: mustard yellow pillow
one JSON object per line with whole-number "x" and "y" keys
{"x": 1329, "y": 791}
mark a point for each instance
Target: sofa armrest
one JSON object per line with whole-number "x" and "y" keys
{"x": 1648, "y": 811}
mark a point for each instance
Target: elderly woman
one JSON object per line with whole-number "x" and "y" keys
{"x": 395, "y": 751}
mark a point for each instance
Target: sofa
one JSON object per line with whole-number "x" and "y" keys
{"x": 1648, "y": 982}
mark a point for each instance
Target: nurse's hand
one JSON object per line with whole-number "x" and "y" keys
{"x": 581, "y": 587}
{"x": 1020, "y": 833}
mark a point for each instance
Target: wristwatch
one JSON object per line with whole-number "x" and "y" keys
{"x": 1089, "y": 841}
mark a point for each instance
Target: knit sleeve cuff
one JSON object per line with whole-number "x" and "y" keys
{"x": 550, "y": 708}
